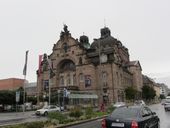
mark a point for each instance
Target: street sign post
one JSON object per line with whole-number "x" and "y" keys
{"x": 17, "y": 98}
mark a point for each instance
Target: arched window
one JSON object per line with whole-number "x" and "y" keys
{"x": 68, "y": 65}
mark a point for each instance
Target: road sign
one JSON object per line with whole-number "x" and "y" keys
{"x": 17, "y": 96}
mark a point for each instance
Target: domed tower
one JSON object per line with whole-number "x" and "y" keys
{"x": 106, "y": 40}
{"x": 105, "y": 32}
{"x": 84, "y": 41}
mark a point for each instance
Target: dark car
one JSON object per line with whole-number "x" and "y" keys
{"x": 132, "y": 117}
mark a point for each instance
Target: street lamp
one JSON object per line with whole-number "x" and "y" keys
{"x": 100, "y": 71}
{"x": 51, "y": 75}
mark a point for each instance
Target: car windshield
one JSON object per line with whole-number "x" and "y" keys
{"x": 125, "y": 113}
{"x": 45, "y": 107}
{"x": 138, "y": 102}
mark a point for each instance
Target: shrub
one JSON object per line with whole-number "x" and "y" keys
{"x": 34, "y": 125}
{"x": 58, "y": 116}
{"x": 76, "y": 112}
{"x": 110, "y": 109}
{"x": 89, "y": 112}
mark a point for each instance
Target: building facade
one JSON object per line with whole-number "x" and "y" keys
{"x": 101, "y": 69}
{"x": 31, "y": 89}
{"x": 11, "y": 83}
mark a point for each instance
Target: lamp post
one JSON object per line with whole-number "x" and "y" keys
{"x": 58, "y": 97}
{"x": 51, "y": 75}
{"x": 49, "y": 94}
{"x": 100, "y": 71}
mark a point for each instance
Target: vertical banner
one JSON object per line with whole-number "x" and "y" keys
{"x": 25, "y": 66}
{"x": 87, "y": 81}
{"x": 39, "y": 64}
{"x": 46, "y": 85}
{"x": 17, "y": 96}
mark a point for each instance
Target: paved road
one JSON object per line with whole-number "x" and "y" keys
{"x": 11, "y": 118}
{"x": 164, "y": 116}
{"x": 14, "y": 118}
{"x": 158, "y": 108}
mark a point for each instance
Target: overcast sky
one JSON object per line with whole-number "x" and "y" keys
{"x": 143, "y": 26}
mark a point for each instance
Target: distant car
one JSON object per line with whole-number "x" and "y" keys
{"x": 45, "y": 110}
{"x": 167, "y": 104}
{"x": 139, "y": 102}
{"x": 119, "y": 104}
{"x": 132, "y": 117}
{"x": 163, "y": 101}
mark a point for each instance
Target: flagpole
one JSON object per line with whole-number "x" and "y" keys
{"x": 24, "y": 94}
{"x": 24, "y": 73}
{"x": 49, "y": 91}
{"x": 51, "y": 75}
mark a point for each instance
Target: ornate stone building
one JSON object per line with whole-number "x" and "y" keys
{"x": 99, "y": 71}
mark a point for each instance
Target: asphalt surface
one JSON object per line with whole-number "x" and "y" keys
{"x": 164, "y": 116}
{"x": 14, "y": 118}
{"x": 18, "y": 117}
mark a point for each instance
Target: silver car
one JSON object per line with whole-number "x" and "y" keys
{"x": 139, "y": 103}
{"x": 45, "y": 110}
{"x": 119, "y": 104}
{"x": 167, "y": 104}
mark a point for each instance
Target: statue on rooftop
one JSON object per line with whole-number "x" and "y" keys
{"x": 65, "y": 32}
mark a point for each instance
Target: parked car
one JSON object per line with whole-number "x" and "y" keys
{"x": 132, "y": 117}
{"x": 163, "y": 101}
{"x": 45, "y": 110}
{"x": 119, "y": 104}
{"x": 139, "y": 102}
{"x": 167, "y": 103}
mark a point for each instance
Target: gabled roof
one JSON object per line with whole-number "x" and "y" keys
{"x": 135, "y": 63}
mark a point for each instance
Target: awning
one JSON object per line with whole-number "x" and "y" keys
{"x": 82, "y": 96}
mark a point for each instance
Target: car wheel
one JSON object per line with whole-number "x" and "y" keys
{"x": 165, "y": 109}
{"x": 45, "y": 113}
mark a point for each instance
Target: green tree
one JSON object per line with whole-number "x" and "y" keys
{"x": 32, "y": 99}
{"x": 148, "y": 92}
{"x": 7, "y": 97}
{"x": 162, "y": 96}
{"x": 130, "y": 93}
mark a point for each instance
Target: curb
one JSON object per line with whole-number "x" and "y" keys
{"x": 80, "y": 122}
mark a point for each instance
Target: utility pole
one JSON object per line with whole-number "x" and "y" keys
{"x": 25, "y": 73}
{"x": 24, "y": 94}
{"x": 49, "y": 94}
{"x": 51, "y": 75}
{"x": 58, "y": 97}
{"x": 100, "y": 72}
